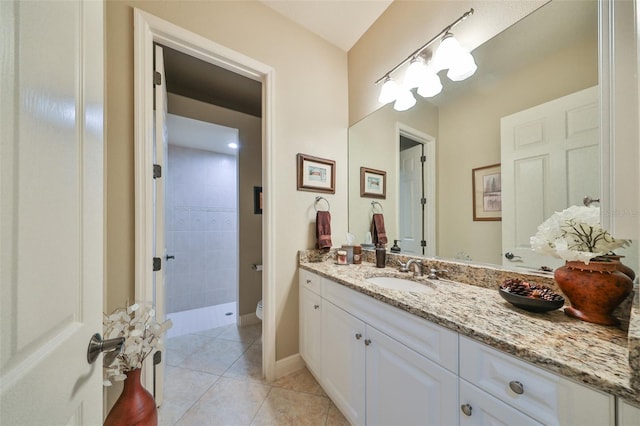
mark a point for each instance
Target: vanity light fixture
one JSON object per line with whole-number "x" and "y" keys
{"x": 449, "y": 55}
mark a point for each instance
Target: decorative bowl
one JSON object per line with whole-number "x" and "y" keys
{"x": 531, "y": 304}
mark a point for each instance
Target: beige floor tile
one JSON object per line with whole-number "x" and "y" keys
{"x": 248, "y": 366}
{"x": 286, "y": 407}
{"x": 247, "y": 334}
{"x": 215, "y": 358}
{"x": 180, "y": 347}
{"x": 212, "y": 332}
{"x": 182, "y": 389}
{"x": 228, "y": 402}
{"x": 300, "y": 381}
{"x": 335, "y": 417}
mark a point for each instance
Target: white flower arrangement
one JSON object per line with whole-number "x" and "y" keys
{"x": 142, "y": 333}
{"x": 575, "y": 234}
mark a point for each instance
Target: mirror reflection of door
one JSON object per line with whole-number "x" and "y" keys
{"x": 550, "y": 160}
{"x": 411, "y": 192}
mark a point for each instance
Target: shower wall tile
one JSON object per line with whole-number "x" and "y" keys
{"x": 201, "y": 229}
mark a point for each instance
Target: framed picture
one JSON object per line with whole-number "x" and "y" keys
{"x": 373, "y": 183}
{"x": 316, "y": 174}
{"x": 257, "y": 200}
{"x": 487, "y": 193}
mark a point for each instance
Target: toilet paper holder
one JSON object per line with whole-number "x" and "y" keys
{"x": 256, "y": 267}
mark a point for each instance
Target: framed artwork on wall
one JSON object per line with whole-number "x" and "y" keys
{"x": 487, "y": 193}
{"x": 316, "y": 174}
{"x": 373, "y": 183}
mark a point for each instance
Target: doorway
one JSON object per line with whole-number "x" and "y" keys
{"x": 148, "y": 31}
{"x": 416, "y": 191}
{"x": 201, "y": 225}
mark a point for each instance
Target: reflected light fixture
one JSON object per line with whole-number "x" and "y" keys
{"x": 449, "y": 55}
{"x": 232, "y": 145}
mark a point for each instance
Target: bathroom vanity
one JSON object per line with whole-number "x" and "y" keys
{"x": 456, "y": 353}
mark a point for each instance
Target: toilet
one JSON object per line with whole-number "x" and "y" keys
{"x": 259, "y": 310}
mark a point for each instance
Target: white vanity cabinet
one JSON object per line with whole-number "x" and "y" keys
{"x": 310, "y": 336}
{"x": 628, "y": 414}
{"x": 376, "y": 379}
{"x": 545, "y": 397}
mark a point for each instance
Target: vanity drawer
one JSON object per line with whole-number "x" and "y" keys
{"x": 310, "y": 281}
{"x": 546, "y": 397}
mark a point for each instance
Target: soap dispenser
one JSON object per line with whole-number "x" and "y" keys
{"x": 395, "y": 248}
{"x": 381, "y": 255}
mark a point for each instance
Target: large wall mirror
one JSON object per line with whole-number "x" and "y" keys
{"x": 546, "y": 58}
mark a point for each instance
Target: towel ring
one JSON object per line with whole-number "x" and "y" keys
{"x": 318, "y": 199}
{"x": 373, "y": 207}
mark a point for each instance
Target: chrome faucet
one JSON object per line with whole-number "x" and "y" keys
{"x": 433, "y": 273}
{"x": 419, "y": 271}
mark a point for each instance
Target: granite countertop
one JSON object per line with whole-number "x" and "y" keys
{"x": 596, "y": 355}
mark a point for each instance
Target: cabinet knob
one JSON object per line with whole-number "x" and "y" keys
{"x": 466, "y": 409}
{"x": 367, "y": 342}
{"x": 358, "y": 336}
{"x": 516, "y": 387}
{"x": 308, "y": 281}
{"x": 316, "y": 306}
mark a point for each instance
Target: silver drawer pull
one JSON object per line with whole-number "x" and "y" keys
{"x": 367, "y": 342}
{"x": 316, "y": 306}
{"x": 466, "y": 409}
{"x": 358, "y": 336}
{"x": 516, "y": 387}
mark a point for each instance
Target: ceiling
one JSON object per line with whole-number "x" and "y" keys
{"x": 189, "y": 133}
{"x": 340, "y": 22}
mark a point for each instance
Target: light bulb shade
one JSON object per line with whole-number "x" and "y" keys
{"x": 389, "y": 91}
{"x": 430, "y": 86}
{"x": 447, "y": 53}
{"x": 463, "y": 67}
{"x": 414, "y": 74}
{"x": 405, "y": 100}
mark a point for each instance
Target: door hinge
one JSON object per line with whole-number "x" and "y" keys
{"x": 157, "y": 264}
{"x": 423, "y": 243}
{"x": 423, "y": 159}
{"x": 157, "y": 171}
{"x": 423, "y": 201}
{"x": 157, "y": 78}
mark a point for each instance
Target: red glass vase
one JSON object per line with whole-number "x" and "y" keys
{"x": 594, "y": 290}
{"x": 135, "y": 406}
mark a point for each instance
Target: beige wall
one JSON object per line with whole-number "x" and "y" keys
{"x": 406, "y": 25}
{"x": 250, "y": 175}
{"x": 310, "y": 116}
{"x": 470, "y": 138}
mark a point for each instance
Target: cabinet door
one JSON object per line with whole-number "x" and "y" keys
{"x": 343, "y": 366}
{"x": 311, "y": 330}
{"x": 478, "y": 408}
{"x": 628, "y": 414}
{"x": 404, "y": 387}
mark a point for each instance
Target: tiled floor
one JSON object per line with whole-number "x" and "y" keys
{"x": 214, "y": 378}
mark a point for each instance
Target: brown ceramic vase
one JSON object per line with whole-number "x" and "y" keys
{"x": 594, "y": 290}
{"x": 135, "y": 406}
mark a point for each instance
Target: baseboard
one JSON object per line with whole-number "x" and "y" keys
{"x": 289, "y": 365}
{"x": 248, "y": 319}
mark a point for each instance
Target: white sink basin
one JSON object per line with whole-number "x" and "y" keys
{"x": 402, "y": 284}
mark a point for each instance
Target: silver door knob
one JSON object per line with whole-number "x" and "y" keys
{"x": 169, "y": 257}
{"x": 466, "y": 409}
{"x": 358, "y": 336}
{"x": 367, "y": 342}
{"x": 316, "y": 306}
{"x": 97, "y": 346}
{"x": 587, "y": 200}
{"x": 516, "y": 387}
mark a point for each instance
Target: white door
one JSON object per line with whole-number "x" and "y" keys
{"x": 550, "y": 161}
{"x": 160, "y": 248}
{"x": 405, "y": 388}
{"x": 410, "y": 195}
{"x": 51, "y": 211}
